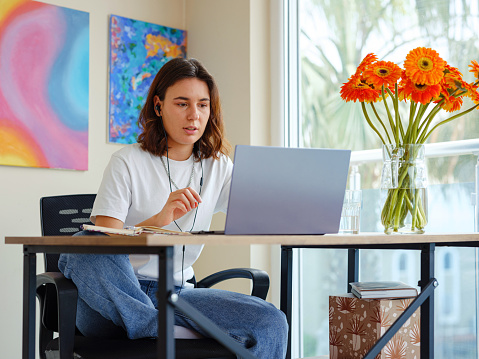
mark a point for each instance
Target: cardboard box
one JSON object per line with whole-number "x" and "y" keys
{"x": 356, "y": 324}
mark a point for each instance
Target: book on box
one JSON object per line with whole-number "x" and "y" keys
{"x": 391, "y": 289}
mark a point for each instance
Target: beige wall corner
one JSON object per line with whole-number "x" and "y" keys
{"x": 233, "y": 42}
{"x": 218, "y": 36}
{"x": 260, "y": 73}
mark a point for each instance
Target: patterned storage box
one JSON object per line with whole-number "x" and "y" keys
{"x": 356, "y": 324}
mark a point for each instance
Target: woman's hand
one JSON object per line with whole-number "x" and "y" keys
{"x": 178, "y": 204}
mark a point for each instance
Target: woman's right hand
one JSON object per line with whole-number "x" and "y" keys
{"x": 178, "y": 204}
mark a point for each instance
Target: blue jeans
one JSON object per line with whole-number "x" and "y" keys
{"x": 113, "y": 303}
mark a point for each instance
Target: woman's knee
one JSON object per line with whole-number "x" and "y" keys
{"x": 71, "y": 261}
{"x": 275, "y": 319}
{"x": 92, "y": 264}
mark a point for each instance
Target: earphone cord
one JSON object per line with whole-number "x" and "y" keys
{"x": 169, "y": 179}
{"x": 196, "y": 212}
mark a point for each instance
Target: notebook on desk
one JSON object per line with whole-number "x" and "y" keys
{"x": 277, "y": 190}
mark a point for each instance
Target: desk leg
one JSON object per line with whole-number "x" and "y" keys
{"x": 166, "y": 315}
{"x": 287, "y": 289}
{"x": 427, "y": 308}
{"x": 353, "y": 267}
{"x": 29, "y": 293}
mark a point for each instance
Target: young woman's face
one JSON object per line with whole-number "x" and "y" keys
{"x": 185, "y": 111}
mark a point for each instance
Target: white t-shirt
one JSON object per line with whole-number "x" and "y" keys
{"x": 135, "y": 186}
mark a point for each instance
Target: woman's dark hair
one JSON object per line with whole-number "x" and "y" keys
{"x": 152, "y": 136}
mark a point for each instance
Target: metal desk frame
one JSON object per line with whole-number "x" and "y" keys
{"x": 168, "y": 301}
{"x": 425, "y": 299}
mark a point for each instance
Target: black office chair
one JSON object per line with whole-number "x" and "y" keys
{"x": 63, "y": 215}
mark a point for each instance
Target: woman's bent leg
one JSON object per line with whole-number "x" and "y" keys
{"x": 109, "y": 293}
{"x": 253, "y": 322}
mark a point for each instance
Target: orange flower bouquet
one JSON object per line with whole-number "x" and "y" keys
{"x": 430, "y": 85}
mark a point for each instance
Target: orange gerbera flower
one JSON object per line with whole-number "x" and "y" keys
{"x": 401, "y": 91}
{"x": 474, "y": 68}
{"x": 356, "y": 89}
{"x": 472, "y": 92}
{"x": 452, "y": 78}
{"x": 381, "y": 73}
{"x": 451, "y": 103}
{"x": 455, "y": 86}
{"x": 474, "y": 96}
{"x": 368, "y": 60}
{"x": 452, "y": 71}
{"x": 419, "y": 92}
{"x": 424, "y": 66}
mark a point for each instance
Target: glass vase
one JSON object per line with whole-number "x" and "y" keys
{"x": 404, "y": 189}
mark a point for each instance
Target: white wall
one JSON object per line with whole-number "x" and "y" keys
{"x": 21, "y": 188}
{"x": 231, "y": 37}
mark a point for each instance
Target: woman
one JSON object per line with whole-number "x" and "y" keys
{"x": 176, "y": 177}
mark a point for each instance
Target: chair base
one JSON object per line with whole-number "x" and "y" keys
{"x": 93, "y": 348}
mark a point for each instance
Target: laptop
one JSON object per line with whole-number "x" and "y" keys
{"x": 278, "y": 190}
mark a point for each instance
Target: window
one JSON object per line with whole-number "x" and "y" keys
{"x": 324, "y": 42}
{"x": 333, "y": 39}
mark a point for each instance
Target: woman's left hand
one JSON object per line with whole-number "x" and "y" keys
{"x": 178, "y": 204}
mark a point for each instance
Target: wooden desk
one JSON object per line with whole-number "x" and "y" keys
{"x": 162, "y": 245}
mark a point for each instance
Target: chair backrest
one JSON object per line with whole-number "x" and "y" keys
{"x": 63, "y": 215}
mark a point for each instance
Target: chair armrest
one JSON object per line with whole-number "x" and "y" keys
{"x": 259, "y": 277}
{"x": 58, "y": 299}
{"x": 58, "y": 279}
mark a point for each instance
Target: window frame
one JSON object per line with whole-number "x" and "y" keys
{"x": 287, "y": 99}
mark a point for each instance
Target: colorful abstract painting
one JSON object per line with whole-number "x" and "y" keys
{"x": 44, "y": 59}
{"x": 137, "y": 51}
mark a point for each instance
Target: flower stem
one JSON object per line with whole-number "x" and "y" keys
{"x": 422, "y": 140}
{"x": 427, "y": 122}
{"x": 380, "y": 121}
{"x": 391, "y": 122}
{"x": 365, "y": 112}
{"x": 394, "y": 97}
{"x": 418, "y": 127}
{"x": 412, "y": 112}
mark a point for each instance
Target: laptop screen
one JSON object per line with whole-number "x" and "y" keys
{"x": 278, "y": 190}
